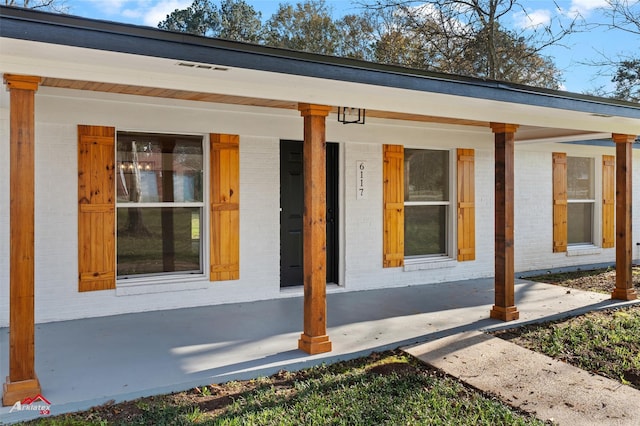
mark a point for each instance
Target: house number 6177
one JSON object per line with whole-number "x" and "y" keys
{"x": 361, "y": 180}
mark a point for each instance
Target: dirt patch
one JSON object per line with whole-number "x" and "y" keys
{"x": 599, "y": 280}
{"x": 210, "y": 400}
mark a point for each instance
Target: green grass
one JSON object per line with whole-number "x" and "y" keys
{"x": 357, "y": 398}
{"x": 606, "y": 343}
{"x": 384, "y": 389}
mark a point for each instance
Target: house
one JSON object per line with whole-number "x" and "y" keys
{"x": 145, "y": 170}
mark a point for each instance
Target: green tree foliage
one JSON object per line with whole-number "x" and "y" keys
{"x": 239, "y": 21}
{"x": 627, "y": 80}
{"x": 306, "y": 26}
{"x": 356, "y": 36}
{"x": 395, "y": 43}
{"x": 624, "y": 15}
{"x": 200, "y": 18}
{"x": 395, "y": 47}
{"x": 233, "y": 20}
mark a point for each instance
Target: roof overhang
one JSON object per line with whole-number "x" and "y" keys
{"x": 62, "y": 48}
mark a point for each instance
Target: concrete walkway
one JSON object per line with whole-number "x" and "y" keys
{"x": 88, "y": 362}
{"x": 550, "y": 389}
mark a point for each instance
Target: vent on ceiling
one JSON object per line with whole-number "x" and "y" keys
{"x": 201, "y": 66}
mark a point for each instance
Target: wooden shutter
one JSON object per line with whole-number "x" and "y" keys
{"x": 393, "y": 199}
{"x": 559, "y": 202}
{"x": 96, "y": 208}
{"x": 466, "y": 205}
{"x": 225, "y": 211}
{"x": 608, "y": 200}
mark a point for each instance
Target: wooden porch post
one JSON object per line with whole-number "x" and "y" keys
{"x": 22, "y": 381}
{"x": 624, "y": 161}
{"x": 314, "y": 339}
{"x": 504, "y": 308}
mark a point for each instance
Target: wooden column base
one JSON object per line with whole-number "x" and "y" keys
{"x": 509, "y": 313}
{"x": 19, "y": 391}
{"x": 314, "y": 345}
{"x": 624, "y": 294}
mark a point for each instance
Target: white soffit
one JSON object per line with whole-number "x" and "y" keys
{"x": 58, "y": 61}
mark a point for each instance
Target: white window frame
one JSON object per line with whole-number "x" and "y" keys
{"x": 595, "y": 207}
{"x": 440, "y": 259}
{"x": 170, "y": 281}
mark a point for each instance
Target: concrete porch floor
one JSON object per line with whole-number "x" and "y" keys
{"x": 83, "y": 363}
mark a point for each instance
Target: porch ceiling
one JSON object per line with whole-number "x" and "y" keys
{"x": 189, "y": 95}
{"x": 525, "y": 133}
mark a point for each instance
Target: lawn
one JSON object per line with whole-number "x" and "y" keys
{"x": 388, "y": 388}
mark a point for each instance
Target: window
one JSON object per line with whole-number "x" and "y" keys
{"x": 159, "y": 205}
{"x": 426, "y": 201}
{"x": 575, "y": 210}
{"x": 580, "y": 200}
{"x": 417, "y": 205}
{"x": 159, "y": 208}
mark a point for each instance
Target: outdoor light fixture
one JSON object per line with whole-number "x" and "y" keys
{"x": 348, "y": 115}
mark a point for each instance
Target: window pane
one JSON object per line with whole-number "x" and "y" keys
{"x": 426, "y": 175}
{"x": 159, "y": 168}
{"x": 154, "y": 240}
{"x": 580, "y": 228}
{"x": 580, "y": 180}
{"x": 425, "y": 230}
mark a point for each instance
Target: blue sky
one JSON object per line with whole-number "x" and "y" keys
{"x": 579, "y": 48}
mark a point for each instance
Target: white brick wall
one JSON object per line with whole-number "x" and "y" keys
{"x": 57, "y": 297}
{"x": 59, "y": 112}
{"x": 533, "y": 208}
{"x": 363, "y": 217}
{"x": 363, "y": 222}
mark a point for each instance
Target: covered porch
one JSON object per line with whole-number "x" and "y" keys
{"x": 83, "y": 363}
{"x": 258, "y": 78}
{"x": 22, "y": 379}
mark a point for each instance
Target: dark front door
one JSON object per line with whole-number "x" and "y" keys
{"x": 292, "y": 210}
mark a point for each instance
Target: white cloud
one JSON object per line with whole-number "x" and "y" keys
{"x": 584, "y": 7}
{"x": 134, "y": 14}
{"x": 159, "y": 10}
{"x": 147, "y": 12}
{"x": 532, "y": 19}
{"x": 428, "y": 11}
{"x": 109, "y": 7}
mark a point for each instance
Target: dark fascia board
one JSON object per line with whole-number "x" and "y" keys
{"x": 27, "y": 24}
{"x": 602, "y": 142}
